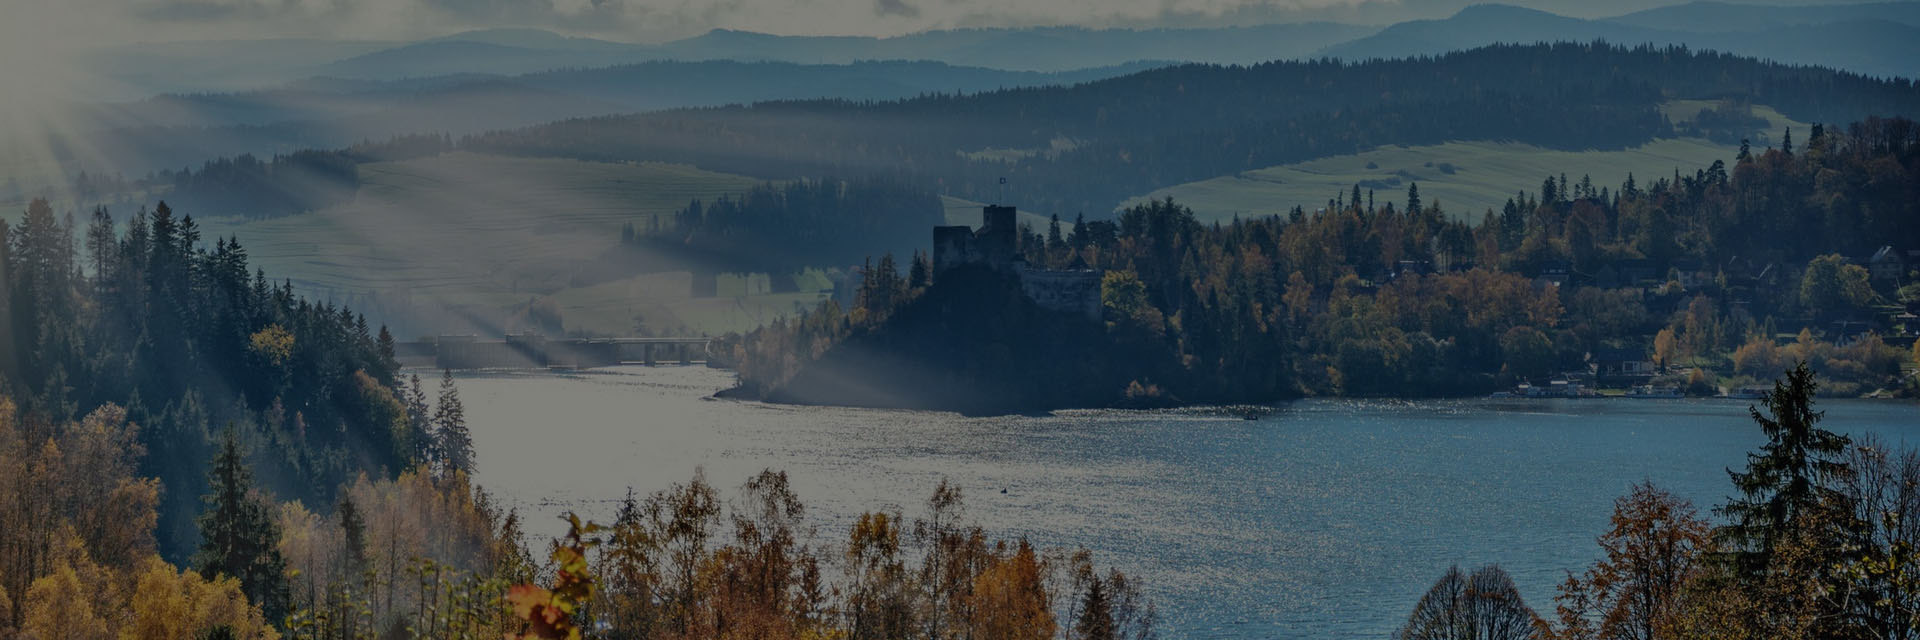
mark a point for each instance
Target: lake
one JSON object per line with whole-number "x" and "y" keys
{"x": 1323, "y": 519}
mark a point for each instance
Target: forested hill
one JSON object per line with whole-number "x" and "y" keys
{"x": 1088, "y": 147}
{"x": 1723, "y": 277}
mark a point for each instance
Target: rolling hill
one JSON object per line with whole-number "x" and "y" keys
{"x": 1878, "y": 39}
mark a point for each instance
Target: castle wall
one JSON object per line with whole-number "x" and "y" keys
{"x": 952, "y": 247}
{"x": 1067, "y": 291}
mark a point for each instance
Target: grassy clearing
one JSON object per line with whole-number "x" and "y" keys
{"x": 1466, "y": 178}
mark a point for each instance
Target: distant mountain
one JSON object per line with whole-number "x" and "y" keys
{"x": 174, "y": 130}
{"x": 1878, "y": 39}
{"x": 1726, "y": 17}
{"x": 134, "y": 72}
{"x": 445, "y": 57}
{"x": 1037, "y": 49}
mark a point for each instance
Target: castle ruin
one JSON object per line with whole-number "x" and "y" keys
{"x": 996, "y": 245}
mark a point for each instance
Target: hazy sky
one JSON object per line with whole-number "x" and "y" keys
{"x": 653, "y": 20}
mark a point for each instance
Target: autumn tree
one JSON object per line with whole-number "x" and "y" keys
{"x": 630, "y": 568}
{"x": 1483, "y": 605}
{"x": 1010, "y": 599}
{"x": 1635, "y": 592}
{"x": 880, "y": 594}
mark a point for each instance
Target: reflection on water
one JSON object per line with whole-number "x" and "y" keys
{"x": 1324, "y": 518}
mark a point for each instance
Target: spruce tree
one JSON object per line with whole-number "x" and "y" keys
{"x": 238, "y": 535}
{"x": 420, "y": 423}
{"x": 1096, "y": 614}
{"x": 353, "y": 532}
{"x": 454, "y": 442}
{"x": 1791, "y": 477}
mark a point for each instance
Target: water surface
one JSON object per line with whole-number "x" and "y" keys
{"x": 1324, "y": 519}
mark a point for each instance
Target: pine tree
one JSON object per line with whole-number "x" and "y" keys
{"x": 353, "y": 535}
{"x": 1096, "y": 614}
{"x": 426, "y": 449}
{"x": 454, "y": 443}
{"x": 238, "y": 534}
{"x": 920, "y": 274}
{"x": 1413, "y": 198}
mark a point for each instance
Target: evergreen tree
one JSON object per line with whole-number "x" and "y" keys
{"x": 420, "y": 423}
{"x": 1096, "y": 614}
{"x": 921, "y": 273}
{"x": 1413, "y": 198}
{"x": 1790, "y": 478}
{"x": 453, "y": 442}
{"x": 353, "y": 536}
{"x": 238, "y": 534}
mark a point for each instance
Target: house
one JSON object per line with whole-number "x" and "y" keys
{"x": 1412, "y": 268}
{"x": 1887, "y": 264}
{"x": 1691, "y": 274}
{"x": 1621, "y": 366}
{"x": 1557, "y": 273}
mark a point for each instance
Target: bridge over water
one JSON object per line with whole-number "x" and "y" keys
{"x": 537, "y": 352}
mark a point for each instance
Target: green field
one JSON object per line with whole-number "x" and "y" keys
{"x": 484, "y": 233}
{"x": 1465, "y": 178}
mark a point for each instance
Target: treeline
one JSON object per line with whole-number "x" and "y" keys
{"x": 1091, "y": 146}
{"x": 188, "y": 339}
{"x": 1814, "y": 544}
{"x": 298, "y": 182}
{"x": 784, "y": 228}
{"x": 1361, "y": 298}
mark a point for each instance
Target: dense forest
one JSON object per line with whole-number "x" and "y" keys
{"x": 188, "y": 339}
{"x": 1715, "y": 276}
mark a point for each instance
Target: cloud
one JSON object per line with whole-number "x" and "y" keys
{"x": 644, "y": 20}
{"x": 901, "y": 8}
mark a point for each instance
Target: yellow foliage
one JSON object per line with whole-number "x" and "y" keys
{"x": 1010, "y": 600}
{"x": 58, "y": 607}
{"x": 274, "y": 343}
{"x": 1665, "y": 347}
{"x": 180, "y": 605}
{"x": 1757, "y": 357}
